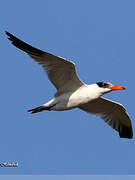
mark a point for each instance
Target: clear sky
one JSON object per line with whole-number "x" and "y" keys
{"x": 99, "y": 36}
{"x": 68, "y": 177}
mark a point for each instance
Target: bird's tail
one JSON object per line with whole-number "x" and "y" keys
{"x": 39, "y": 109}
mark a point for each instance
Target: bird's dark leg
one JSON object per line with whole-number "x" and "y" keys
{"x": 39, "y": 109}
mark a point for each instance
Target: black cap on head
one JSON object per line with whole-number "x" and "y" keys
{"x": 104, "y": 84}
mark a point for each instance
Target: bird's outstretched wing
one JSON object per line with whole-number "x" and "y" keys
{"x": 60, "y": 71}
{"x": 112, "y": 113}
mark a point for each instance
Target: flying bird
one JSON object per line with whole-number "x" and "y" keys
{"x": 73, "y": 93}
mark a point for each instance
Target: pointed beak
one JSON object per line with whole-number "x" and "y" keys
{"x": 116, "y": 87}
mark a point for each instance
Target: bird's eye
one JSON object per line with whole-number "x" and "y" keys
{"x": 105, "y": 85}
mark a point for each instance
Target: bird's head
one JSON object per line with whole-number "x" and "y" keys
{"x": 106, "y": 87}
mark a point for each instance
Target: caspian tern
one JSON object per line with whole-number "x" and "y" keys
{"x": 73, "y": 93}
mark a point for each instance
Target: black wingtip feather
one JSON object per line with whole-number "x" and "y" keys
{"x": 7, "y": 33}
{"x": 23, "y": 46}
{"x": 126, "y": 132}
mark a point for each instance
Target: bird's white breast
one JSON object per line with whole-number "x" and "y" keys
{"x": 74, "y": 99}
{"x": 83, "y": 95}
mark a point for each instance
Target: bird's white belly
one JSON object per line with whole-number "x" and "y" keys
{"x": 72, "y": 100}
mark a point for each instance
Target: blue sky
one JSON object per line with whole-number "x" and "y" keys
{"x": 68, "y": 177}
{"x": 99, "y": 36}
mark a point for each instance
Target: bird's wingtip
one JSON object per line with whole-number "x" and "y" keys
{"x": 10, "y": 36}
{"x": 7, "y": 33}
{"x": 126, "y": 132}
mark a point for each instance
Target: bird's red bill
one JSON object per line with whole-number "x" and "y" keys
{"x": 116, "y": 87}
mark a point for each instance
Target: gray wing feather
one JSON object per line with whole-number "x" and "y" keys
{"x": 112, "y": 113}
{"x": 61, "y": 72}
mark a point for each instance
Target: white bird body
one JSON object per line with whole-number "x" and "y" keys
{"x": 70, "y": 100}
{"x": 73, "y": 93}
